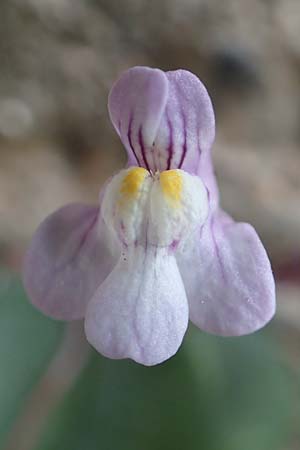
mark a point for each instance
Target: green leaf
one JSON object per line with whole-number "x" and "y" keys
{"x": 215, "y": 394}
{"x": 27, "y": 342}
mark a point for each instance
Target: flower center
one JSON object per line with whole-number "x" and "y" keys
{"x": 171, "y": 184}
{"x": 158, "y": 209}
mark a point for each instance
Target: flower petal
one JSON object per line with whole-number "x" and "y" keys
{"x": 187, "y": 128}
{"x": 136, "y": 103}
{"x": 228, "y": 278}
{"x": 140, "y": 311}
{"x": 165, "y": 120}
{"x": 66, "y": 261}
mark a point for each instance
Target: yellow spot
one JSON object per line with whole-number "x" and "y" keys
{"x": 132, "y": 182}
{"x": 171, "y": 184}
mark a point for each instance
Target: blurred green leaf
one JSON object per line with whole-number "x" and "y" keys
{"x": 215, "y": 394}
{"x": 27, "y": 342}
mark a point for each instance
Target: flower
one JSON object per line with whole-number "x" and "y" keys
{"x": 158, "y": 251}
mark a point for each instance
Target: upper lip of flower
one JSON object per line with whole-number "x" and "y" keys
{"x": 169, "y": 126}
{"x": 122, "y": 265}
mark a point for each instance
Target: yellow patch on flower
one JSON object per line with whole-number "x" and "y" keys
{"x": 133, "y": 181}
{"x": 171, "y": 184}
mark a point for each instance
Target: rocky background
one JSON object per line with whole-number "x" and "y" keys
{"x": 58, "y": 60}
{"x": 60, "y": 57}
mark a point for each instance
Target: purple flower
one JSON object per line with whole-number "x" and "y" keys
{"x": 158, "y": 251}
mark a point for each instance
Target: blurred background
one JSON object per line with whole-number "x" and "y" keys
{"x": 58, "y": 60}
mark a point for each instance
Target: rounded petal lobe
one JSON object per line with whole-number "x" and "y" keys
{"x": 140, "y": 311}
{"x": 136, "y": 103}
{"x": 187, "y": 128}
{"x": 228, "y": 278}
{"x": 66, "y": 261}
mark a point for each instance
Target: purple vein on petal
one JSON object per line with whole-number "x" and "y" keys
{"x": 201, "y": 231}
{"x": 198, "y": 145}
{"x": 170, "y": 146}
{"x": 129, "y": 136}
{"x": 84, "y": 237}
{"x": 121, "y": 233}
{"x": 184, "y": 146}
{"x": 222, "y": 269}
{"x": 143, "y": 150}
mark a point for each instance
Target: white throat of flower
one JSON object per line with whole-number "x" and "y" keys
{"x": 160, "y": 209}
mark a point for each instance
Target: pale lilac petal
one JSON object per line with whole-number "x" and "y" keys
{"x": 67, "y": 260}
{"x": 187, "y": 128}
{"x": 140, "y": 311}
{"x": 165, "y": 120}
{"x": 228, "y": 278}
{"x": 136, "y": 103}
